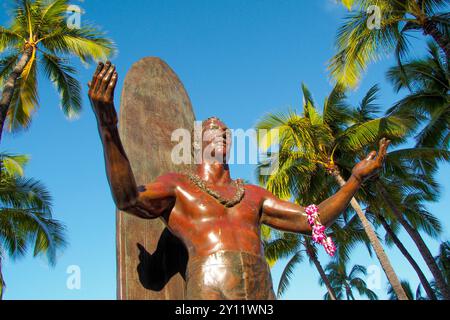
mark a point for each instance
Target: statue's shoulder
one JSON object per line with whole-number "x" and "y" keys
{"x": 173, "y": 178}
{"x": 256, "y": 189}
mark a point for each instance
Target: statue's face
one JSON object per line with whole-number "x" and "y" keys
{"x": 216, "y": 140}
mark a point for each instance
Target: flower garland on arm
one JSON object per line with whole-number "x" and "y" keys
{"x": 318, "y": 230}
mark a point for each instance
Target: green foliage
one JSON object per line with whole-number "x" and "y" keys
{"x": 357, "y": 45}
{"x": 344, "y": 283}
{"x": 42, "y": 25}
{"x": 443, "y": 259}
{"x": 310, "y": 144}
{"x": 26, "y": 216}
{"x": 428, "y": 83}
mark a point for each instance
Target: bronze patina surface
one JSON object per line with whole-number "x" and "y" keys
{"x": 223, "y": 243}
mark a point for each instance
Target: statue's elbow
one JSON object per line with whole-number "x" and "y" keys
{"x": 125, "y": 204}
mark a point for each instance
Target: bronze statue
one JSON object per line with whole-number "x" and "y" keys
{"x": 216, "y": 218}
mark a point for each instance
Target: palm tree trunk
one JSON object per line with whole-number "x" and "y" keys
{"x": 10, "y": 86}
{"x": 423, "y": 280}
{"x": 376, "y": 244}
{"x": 2, "y": 282}
{"x": 423, "y": 249}
{"x": 430, "y": 29}
{"x": 319, "y": 268}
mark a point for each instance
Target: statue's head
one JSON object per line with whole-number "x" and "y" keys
{"x": 216, "y": 140}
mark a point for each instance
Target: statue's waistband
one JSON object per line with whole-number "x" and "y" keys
{"x": 229, "y": 275}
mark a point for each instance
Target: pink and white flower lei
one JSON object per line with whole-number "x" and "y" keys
{"x": 318, "y": 230}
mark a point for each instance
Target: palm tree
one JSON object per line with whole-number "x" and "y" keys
{"x": 409, "y": 222}
{"x": 428, "y": 82}
{"x": 357, "y": 44}
{"x": 443, "y": 259}
{"x": 405, "y": 201}
{"x": 39, "y": 34}
{"x": 401, "y": 189}
{"x": 344, "y": 283}
{"x": 293, "y": 246}
{"x": 345, "y": 232}
{"x": 25, "y": 216}
{"x": 409, "y": 292}
{"x": 311, "y": 143}
{"x": 391, "y": 237}
{"x": 443, "y": 262}
{"x": 278, "y": 245}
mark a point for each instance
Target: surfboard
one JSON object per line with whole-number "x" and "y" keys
{"x": 151, "y": 262}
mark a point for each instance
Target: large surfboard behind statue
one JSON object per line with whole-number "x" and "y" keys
{"x": 150, "y": 261}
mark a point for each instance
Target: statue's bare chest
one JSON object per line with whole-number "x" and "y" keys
{"x": 196, "y": 209}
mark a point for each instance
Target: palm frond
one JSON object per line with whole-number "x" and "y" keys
{"x": 25, "y": 217}
{"x": 86, "y": 43}
{"x": 6, "y": 66}
{"x": 13, "y": 164}
{"x": 362, "y": 288}
{"x": 431, "y": 6}
{"x": 281, "y": 247}
{"x": 358, "y": 136}
{"x": 8, "y": 39}
{"x": 336, "y": 111}
{"x": 307, "y": 96}
{"x": 368, "y": 109}
{"x": 423, "y": 220}
{"x": 423, "y": 159}
{"x": 24, "y": 102}
{"x": 287, "y": 273}
{"x": 358, "y": 45}
{"x": 68, "y": 87}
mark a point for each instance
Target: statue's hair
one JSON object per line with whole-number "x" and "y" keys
{"x": 212, "y": 118}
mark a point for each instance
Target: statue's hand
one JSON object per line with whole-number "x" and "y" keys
{"x": 101, "y": 94}
{"x": 370, "y": 165}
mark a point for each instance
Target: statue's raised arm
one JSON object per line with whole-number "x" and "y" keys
{"x": 149, "y": 202}
{"x": 288, "y": 216}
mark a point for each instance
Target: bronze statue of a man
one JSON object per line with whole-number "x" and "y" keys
{"x": 216, "y": 218}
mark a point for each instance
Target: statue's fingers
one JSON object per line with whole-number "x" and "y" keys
{"x": 107, "y": 77}
{"x": 381, "y": 143}
{"x": 371, "y": 155}
{"x": 96, "y": 73}
{"x": 101, "y": 75}
{"x": 383, "y": 150}
{"x": 99, "y": 68}
{"x": 112, "y": 85}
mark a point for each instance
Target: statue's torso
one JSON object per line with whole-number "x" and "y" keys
{"x": 206, "y": 226}
{"x": 226, "y": 257}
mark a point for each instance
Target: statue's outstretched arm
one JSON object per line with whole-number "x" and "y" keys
{"x": 289, "y": 216}
{"x": 125, "y": 192}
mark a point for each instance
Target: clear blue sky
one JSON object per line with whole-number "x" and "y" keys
{"x": 238, "y": 60}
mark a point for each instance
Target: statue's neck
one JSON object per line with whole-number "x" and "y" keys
{"x": 214, "y": 173}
